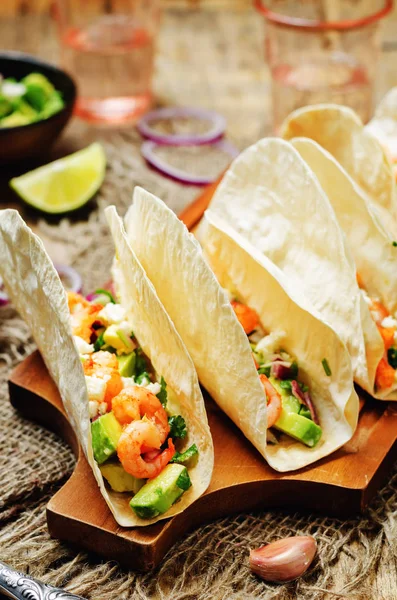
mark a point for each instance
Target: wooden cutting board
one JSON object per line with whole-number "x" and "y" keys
{"x": 341, "y": 484}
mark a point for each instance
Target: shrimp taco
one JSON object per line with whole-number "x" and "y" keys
{"x": 125, "y": 377}
{"x": 279, "y": 372}
{"x": 373, "y": 250}
{"x": 340, "y": 131}
{"x": 273, "y": 200}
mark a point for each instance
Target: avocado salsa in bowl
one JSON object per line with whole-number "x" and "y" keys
{"x": 36, "y": 102}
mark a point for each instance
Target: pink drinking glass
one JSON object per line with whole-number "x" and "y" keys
{"x": 109, "y": 46}
{"x": 322, "y": 51}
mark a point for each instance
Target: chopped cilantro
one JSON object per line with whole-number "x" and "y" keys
{"x": 264, "y": 371}
{"x": 394, "y": 244}
{"x": 102, "y": 292}
{"x": 326, "y": 368}
{"x": 188, "y": 457}
{"x": 294, "y": 369}
{"x": 392, "y": 357}
{"x": 286, "y": 384}
{"x": 99, "y": 342}
{"x": 303, "y": 387}
{"x": 142, "y": 378}
{"x": 140, "y": 363}
{"x": 162, "y": 395}
{"x": 178, "y": 427}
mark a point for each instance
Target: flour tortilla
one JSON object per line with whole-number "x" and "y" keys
{"x": 341, "y": 132}
{"x": 384, "y": 123}
{"x": 371, "y": 246}
{"x": 272, "y": 199}
{"x": 219, "y": 347}
{"x": 38, "y": 294}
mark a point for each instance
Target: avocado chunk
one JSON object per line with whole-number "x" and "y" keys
{"x": 289, "y": 402}
{"x": 189, "y": 457}
{"x": 117, "y": 338}
{"x": 127, "y": 364}
{"x": 38, "y": 90}
{"x": 298, "y": 427}
{"x": 106, "y": 432}
{"x": 14, "y": 120}
{"x": 159, "y": 494}
{"x": 119, "y": 480}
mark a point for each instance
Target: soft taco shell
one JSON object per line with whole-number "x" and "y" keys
{"x": 216, "y": 341}
{"x": 372, "y": 247}
{"x": 38, "y": 294}
{"x": 271, "y": 198}
{"x": 201, "y": 311}
{"x": 340, "y": 131}
{"x": 281, "y": 308}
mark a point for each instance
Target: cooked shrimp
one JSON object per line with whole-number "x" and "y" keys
{"x": 83, "y": 315}
{"x": 136, "y": 402}
{"x": 104, "y": 365}
{"x": 273, "y": 401}
{"x": 246, "y": 316}
{"x": 136, "y": 436}
{"x": 385, "y": 375}
{"x": 378, "y": 311}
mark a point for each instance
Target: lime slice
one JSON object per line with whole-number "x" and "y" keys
{"x": 65, "y": 184}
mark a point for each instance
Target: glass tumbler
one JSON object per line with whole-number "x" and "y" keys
{"x": 322, "y": 51}
{"x": 108, "y": 46}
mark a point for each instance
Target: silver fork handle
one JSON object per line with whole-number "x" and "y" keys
{"x": 22, "y": 587}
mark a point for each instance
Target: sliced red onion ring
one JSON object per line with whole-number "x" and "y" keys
{"x": 186, "y": 139}
{"x": 282, "y": 370}
{"x": 70, "y": 278}
{"x": 3, "y": 298}
{"x": 305, "y": 398}
{"x": 148, "y": 152}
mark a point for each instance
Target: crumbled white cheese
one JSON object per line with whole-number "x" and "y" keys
{"x": 111, "y": 314}
{"x": 366, "y": 297}
{"x": 96, "y": 388}
{"x": 82, "y": 346}
{"x": 389, "y": 322}
{"x": 93, "y": 408}
{"x": 102, "y": 408}
{"x": 128, "y": 381}
{"x": 155, "y": 388}
{"x": 270, "y": 344}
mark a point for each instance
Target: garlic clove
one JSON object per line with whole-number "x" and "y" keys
{"x": 284, "y": 560}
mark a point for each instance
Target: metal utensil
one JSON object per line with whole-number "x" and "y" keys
{"x": 22, "y": 587}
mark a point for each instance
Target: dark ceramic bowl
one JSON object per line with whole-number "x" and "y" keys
{"x": 25, "y": 141}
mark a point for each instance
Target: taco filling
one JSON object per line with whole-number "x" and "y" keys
{"x": 386, "y": 372}
{"x": 134, "y": 437}
{"x": 290, "y": 409}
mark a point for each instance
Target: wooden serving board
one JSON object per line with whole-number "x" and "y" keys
{"x": 341, "y": 484}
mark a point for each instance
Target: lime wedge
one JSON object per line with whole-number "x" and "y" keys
{"x": 65, "y": 184}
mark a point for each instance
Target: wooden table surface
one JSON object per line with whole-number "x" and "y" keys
{"x": 227, "y": 74}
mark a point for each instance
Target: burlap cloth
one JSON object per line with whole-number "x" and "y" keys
{"x": 356, "y": 558}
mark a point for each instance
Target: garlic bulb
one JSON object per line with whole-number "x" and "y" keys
{"x": 284, "y": 560}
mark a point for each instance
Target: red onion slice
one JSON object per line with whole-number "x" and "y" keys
{"x": 70, "y": 278}
{"x": 282, "y": 370}
{"x": 3, "y": 298}
{"x": 218, "y": 126}
{"x": 305, "y": 398}
{"x": 148, "y": 152}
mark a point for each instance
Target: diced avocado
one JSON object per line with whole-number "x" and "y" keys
{"x": 127, "y": 364}
{"x": 14, "y": 120}
{"x": 159, "y": 494}
{"x": 106, "y": 432}
{"x": 24, "y": 108}
{"x": 53, "y": 105}
{"x": 5, "y": 107}
{"x": 188, "y": 458}
{"x": 119, "y": 480}
{"x": 305, "y": 412}
{"x": 298, "y": 427}
{"x": 38, "y": 90}
{"x": 116, "y": 337}
{"x": 289, "y": 402}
